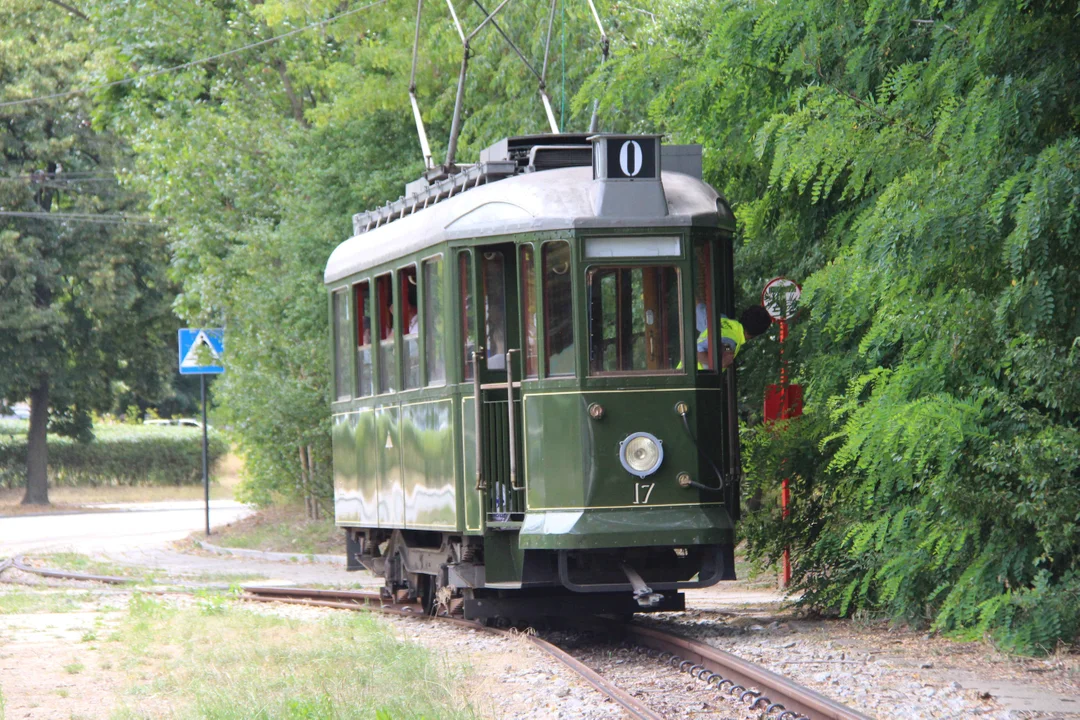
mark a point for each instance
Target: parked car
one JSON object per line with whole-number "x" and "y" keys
{"x": 19, "y": 410}
{"x": 183, "y": 422}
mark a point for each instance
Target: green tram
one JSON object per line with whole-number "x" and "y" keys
{"x": 528, "y": 418}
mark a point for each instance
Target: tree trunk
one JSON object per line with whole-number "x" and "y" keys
{"x": 312, "y": 487}
{"x": 304, "y": 484}
{"x": 37, "y": 451}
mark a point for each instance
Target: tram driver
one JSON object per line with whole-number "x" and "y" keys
{"x": 753, "y": 321}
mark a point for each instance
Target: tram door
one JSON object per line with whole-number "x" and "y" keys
{"x": 495, "y": 373}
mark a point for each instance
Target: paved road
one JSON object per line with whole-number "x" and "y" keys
{"x": 122, "y": 527}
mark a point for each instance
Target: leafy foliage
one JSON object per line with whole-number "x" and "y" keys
{"x": 917, "y": 166}
{"x": 84, "y": 306}
{"x": 260, "y": 159}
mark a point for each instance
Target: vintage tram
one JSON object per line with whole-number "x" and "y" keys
{"x": 528, "y": 410}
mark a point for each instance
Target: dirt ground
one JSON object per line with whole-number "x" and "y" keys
{"x": 52, "y": 665}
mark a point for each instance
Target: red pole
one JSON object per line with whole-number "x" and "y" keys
{"x": 785, "y": 491}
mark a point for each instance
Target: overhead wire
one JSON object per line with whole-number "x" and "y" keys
{"x": 59, "y": 179}
{"x": 57, "y": 175}
{"x": 81, "y": 217}
{"x": 192, "y": 63}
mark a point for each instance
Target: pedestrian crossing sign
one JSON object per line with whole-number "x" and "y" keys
{"x": 202, "y": 351}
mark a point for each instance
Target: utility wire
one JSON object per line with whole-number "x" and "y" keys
{"x": 57, "y": 175}
{"x": 58, "y": 179}
{"x": 80, "y": 217}
{"x": 193, "y": 63}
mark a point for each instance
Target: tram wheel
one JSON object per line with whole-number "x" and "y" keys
{"x": 425, "y": 593}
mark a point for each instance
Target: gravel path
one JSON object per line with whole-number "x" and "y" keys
{"x": 187, "y": 564}
{"x": 668, "y": 692}
{"x": 882, "y": 672}
{"x": 897, "y": 675}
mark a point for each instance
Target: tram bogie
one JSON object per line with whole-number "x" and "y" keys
{"x": 527, "y": 398}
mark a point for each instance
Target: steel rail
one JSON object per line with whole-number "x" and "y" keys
{"x": 19, "y": 563}
{"x": 761, "y": 689}
{"x": 313, "y": 593}
{"x": 347, "y": 600}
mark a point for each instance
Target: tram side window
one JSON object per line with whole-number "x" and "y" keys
{"x": 342, "y": 341}
{"x": 634, "y": 320}
{"x": 363, "y": 338}
{"x": 410, "y": 327}
{"x": 558, "y": 309}
{"x": 468, "y": 330}
{"x": 528, "y": 311}
{"x": 703, "y": 306}
{"x": 494, "y": 277}
{"x": 433, "y": 322}
{"x": 384, "y": 288}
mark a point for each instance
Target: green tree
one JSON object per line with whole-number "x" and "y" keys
{"x": 260, "y": 158}
{"x": 918, "y": 166}
{"x": 84, "y": 303}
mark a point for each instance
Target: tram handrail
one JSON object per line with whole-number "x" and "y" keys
{"x": 480, "y": 484}
{"x": 511, "y": 419}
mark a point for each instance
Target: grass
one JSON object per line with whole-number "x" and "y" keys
{"x": 282, "y": 528}
{"x": 74, "y": 668}
{"x": 228, "y": 661}
{"x": 17, "y": 601}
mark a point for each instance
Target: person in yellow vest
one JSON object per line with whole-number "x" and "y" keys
{"x": 754, "y": 321}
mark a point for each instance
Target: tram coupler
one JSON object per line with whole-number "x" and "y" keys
{"x": 644, "y": 594}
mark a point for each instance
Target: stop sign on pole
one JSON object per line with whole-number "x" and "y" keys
{"x": 781, "y": 298}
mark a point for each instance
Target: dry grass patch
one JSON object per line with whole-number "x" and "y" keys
{"x": 224, "y": 661}
{"x": 17, "y": 601}
{"x": 282, "y": 528}
{"x": 225, "y": 478}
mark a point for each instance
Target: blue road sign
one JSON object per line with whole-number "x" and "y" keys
{"x": 202, "y": 351}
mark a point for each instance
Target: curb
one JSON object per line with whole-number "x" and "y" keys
{"x": 275, "y": 556}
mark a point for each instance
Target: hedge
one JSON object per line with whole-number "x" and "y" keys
{"x": 118, "y": 455}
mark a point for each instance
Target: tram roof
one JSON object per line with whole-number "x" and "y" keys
{"x": 557, "y": 199}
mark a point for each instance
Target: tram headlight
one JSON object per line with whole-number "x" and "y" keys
{"x": 641, "y": 453}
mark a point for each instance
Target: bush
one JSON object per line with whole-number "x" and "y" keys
{"x": 118, "y": 455}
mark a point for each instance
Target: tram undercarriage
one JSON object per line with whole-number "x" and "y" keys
{"x": 447, "y": 572}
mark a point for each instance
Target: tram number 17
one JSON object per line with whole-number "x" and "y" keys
{"x": 642, "y": 491}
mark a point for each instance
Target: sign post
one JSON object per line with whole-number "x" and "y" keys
{"x": 784, "y": 401}
{"x": 202, "y": 353}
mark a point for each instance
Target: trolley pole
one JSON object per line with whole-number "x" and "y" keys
{"x": 205, "y": 465}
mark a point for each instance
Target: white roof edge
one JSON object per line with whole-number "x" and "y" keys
{"x": 556, "y": 199}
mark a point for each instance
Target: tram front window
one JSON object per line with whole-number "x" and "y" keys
{"x": 634, "y": 320}
{"x": 558, "y": 309}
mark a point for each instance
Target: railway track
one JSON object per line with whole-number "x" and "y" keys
{"x": 762, "y": 691}
{"x": 351, "y": 600}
